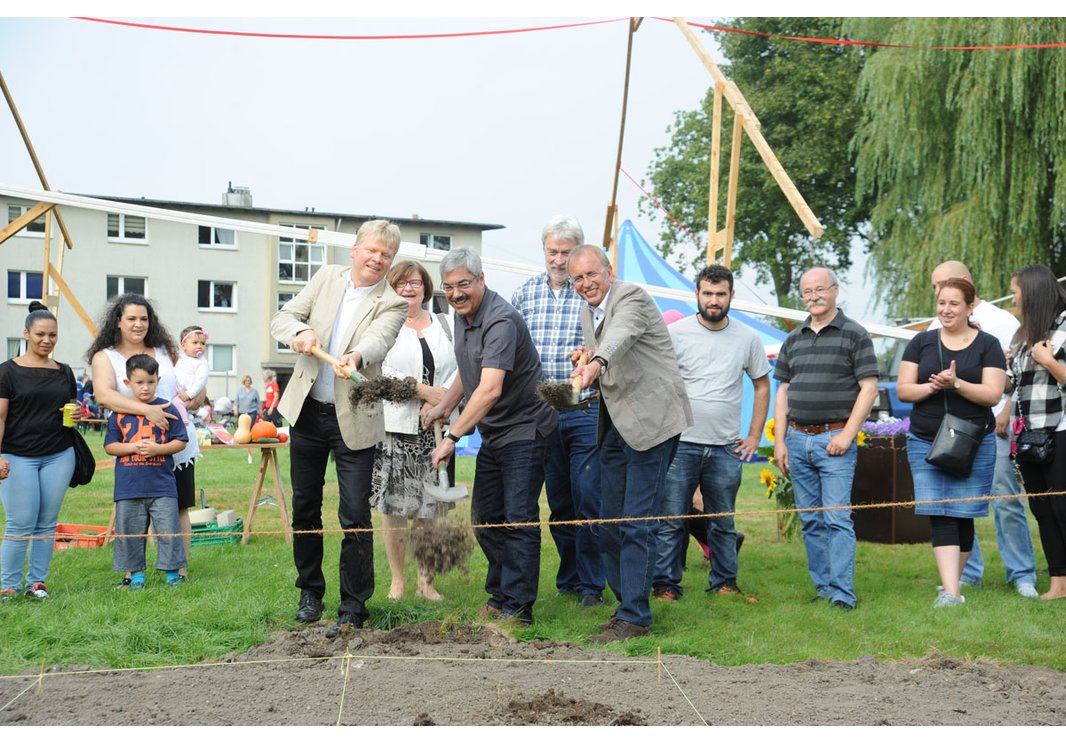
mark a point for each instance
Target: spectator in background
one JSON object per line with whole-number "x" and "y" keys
{"x": 271, "y": 397}
{"x": 247, "y": 400}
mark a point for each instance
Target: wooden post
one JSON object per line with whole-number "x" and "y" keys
{"x": 731, "y": 198}
{"x": 45, "y": 282}
{"x": 751, "y": 126}
{"x": 609, "y": 232}
{"x": 716, "y": 157}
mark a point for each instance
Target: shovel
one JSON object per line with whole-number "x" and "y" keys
{"x": 443, "y": 493}
{"x": 353, "y": 375}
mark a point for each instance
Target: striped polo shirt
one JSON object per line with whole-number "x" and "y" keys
{"x": 823, "y": 369}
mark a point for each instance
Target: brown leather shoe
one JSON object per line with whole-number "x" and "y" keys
{"x": 618, "y": 629}
{"x": 488, "y": 610}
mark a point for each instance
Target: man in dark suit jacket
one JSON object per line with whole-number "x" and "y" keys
{"x": 644, "y": 409}
{"x": 355, "y": 315}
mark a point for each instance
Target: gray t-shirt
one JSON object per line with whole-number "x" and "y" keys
{"x": 497, "y": 337}
{"x": 713, "y": 364}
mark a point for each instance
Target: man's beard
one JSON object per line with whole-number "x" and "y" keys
{"x": 714, "y": 318}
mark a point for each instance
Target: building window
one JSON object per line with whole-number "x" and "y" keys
{"x": 220, "y": 359}
{"x": 35, "y": 228}
{"x": 122, "y": 227}
{"x": 24, "y": 286}
{"x": 284, "y": 297}
{"x": 298, "y": 260}
{"x": 216, "y": 295}
{"x": 216, "y": 237}
{"x": 125, "y": 285}
{"x": 437, "y": 242}
{"x": 14, "y": 347}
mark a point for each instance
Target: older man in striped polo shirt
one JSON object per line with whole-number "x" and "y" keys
{"x": 827, "y": 383}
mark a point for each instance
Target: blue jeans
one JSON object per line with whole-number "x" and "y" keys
{"x": 507, "y": 483}
{"x": 632, "y": 486}
{"x": 1012, "y": 527}
{"x": 820, "y": 480}
{"x": 716, "y": 470}
{"x": 32, "y": 495}
{"x": 572, "y": 481}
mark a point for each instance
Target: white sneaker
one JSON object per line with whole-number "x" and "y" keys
{"x": 945, "y": 599}
{"x": 1028, "y": 590}
{"x": 37, "y": 591}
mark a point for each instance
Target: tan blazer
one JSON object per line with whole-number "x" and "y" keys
{"x": 372, "y": 332}
{"x": 641, "y": 386}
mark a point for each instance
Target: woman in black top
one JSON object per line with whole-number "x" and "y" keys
{"x": 958, "y": 369}
{"x": 36, "y": 454}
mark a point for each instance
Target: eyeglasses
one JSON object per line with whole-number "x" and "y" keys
{"x": 586, "y": 277}
{"x": 816, "y": 290}
{"x": 460, "y": 285}
{"x": 413, "y": 283}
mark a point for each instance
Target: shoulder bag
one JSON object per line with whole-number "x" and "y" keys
{"x": 84, "y": 462}
{"x": 957, "y": 441}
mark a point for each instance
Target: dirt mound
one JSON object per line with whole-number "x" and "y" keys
{"x": 553, "y": 708}
{"x": 441, "y": 546}
{"x": 385, "y": 389}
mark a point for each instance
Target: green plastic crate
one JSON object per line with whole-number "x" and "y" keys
{"x": 212, "y": 533}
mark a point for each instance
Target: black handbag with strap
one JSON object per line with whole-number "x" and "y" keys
{"x": 84, "y": 462}
{"x": 1034, "y": 447}
{"x": 958, "y": 439}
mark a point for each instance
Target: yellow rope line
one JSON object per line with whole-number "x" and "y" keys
{"x": 15, "y": 699}
{"x": 690, "y": 704}
{"x": 581, "y": 522}
{"x": 347, "y": 671}
{"x": 348, "y": 656}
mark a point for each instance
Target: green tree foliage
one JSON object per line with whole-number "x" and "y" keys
{"x": 961, "y": 153}
{"x": 803, "y": 96}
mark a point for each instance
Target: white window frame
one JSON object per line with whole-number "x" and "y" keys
{"x": 20, "y": 344}
{"x": 25, "y": 231}
{"x": 121, "y": 237}
{"x": 211, "y": 294}
{"x": 279, "y": 346}
{"x": 211, "y": 370}
{"x": 293, "y": 243}
{"x": 22, "y": 298}
{"x": 427, "y": 238}
{"x": 122, "y": 285}
{"x": 214, "y": 244}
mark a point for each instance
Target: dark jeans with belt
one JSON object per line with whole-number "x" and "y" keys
{"x": 507, "y": 483}
{"x": 316, "y": 434}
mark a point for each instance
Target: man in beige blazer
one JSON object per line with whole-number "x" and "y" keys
{"x": 643, "y": 411}
{"x": 354, "y": 314}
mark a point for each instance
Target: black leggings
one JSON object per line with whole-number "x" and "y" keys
{"x": 949, "y": 531}
{"x": 1050, "y": 510}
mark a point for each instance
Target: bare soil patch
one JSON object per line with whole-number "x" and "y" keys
{"x": 435, "y": 674}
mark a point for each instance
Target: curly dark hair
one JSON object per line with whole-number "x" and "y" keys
{"x": 715, "y": 274}
{"x": 109, "y": 335}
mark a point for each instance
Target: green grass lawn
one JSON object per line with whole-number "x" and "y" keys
{"x": 238, "y": 595}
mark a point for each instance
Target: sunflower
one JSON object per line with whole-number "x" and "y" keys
{"x": 770, "y": 430}
{"x": 766, "y": 477}
{"x": 860, "y": 440}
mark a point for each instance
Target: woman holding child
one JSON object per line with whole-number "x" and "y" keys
{"x": 37, "y": 458}
{"x": 129, "y": 326}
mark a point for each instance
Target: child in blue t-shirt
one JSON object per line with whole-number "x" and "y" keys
{"x": 145, "y": 487}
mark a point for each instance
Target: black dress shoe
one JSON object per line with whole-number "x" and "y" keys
{"x": 345, "y": 621}
{"x": 310, "y": 607}
{"x": 591, "y": 600}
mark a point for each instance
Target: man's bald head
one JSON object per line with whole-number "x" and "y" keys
{"x": 949, "y": 270}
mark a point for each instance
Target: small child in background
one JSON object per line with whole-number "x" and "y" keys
{"x": 145, "y": 487}
{"x": 191, "y": 369}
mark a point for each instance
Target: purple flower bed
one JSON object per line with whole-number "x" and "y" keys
{"x": 889, "y": 427}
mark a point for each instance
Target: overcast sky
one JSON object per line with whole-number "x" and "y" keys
{"x": 507, "y": 129}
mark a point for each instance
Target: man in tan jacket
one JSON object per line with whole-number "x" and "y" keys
{"x": 644, "y": 409}
{"x": 354, "y": 314}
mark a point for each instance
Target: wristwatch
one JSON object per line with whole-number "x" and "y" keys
{"x": 453, "y": 437}
{"x": 958, "y": 383}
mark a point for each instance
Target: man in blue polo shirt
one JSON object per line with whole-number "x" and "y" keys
{"x": 551, "y": 308}
{"x": 827, "y": 383}
{"x": 498, "y": 374}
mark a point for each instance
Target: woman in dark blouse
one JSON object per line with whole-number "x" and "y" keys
{"x": 965, "y": 368}
{"x": 36, "y": 454}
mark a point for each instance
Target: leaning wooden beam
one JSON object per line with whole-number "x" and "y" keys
{"x": 33, "y": 155}
{"x": 751, "y": 126}
{"x": 716, "y": 164}
{"x": 67, "y": 292}
{"x": 731, "y": 196}
{"x": 16, "y": 226}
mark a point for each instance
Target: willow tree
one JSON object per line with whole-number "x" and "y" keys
{"x": 803, "y": 96}
{"x": 961, "y": 153}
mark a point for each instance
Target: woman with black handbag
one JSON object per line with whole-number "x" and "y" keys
{"x": 1038, "y": 372}
{"x": 38, "y": 454}
{"x": 954, "y": 376}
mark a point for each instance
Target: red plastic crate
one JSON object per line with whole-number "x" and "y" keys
{"x": 84, "y": 536}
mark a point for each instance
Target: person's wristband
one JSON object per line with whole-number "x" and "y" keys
{"x": 453, "y": 437}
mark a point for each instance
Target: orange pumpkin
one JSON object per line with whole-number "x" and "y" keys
{"x": 264, "y": 430}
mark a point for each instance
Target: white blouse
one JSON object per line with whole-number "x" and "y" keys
{"x": 405, "y": 360}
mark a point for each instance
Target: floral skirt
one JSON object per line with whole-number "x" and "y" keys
{"x": 401, "y": 470}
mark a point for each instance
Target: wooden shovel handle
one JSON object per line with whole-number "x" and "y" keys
{"x": 321, "y": 355}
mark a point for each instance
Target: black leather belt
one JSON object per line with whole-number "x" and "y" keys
{"x": 322, "y": 408}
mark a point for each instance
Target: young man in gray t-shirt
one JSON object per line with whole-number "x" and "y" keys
{"x": 714, "y": 354}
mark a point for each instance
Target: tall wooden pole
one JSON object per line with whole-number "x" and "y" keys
{"x": 610, "y": 232}
{"x": 716, "y": 163}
